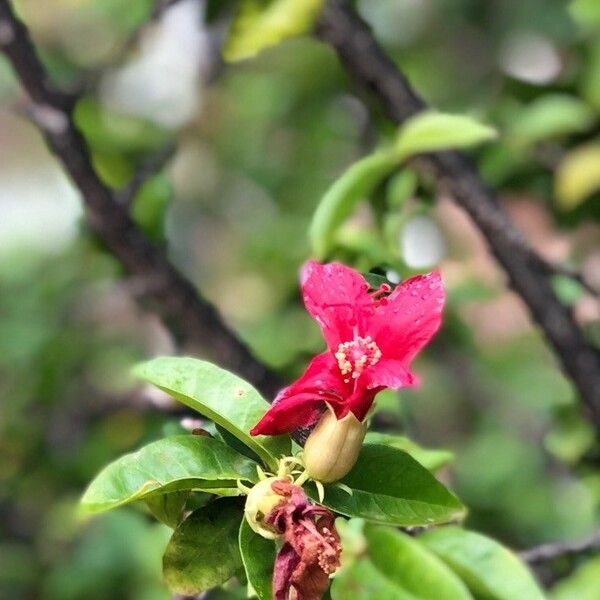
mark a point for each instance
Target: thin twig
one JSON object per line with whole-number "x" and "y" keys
{"x": 548, "y": 552}
{"x": 154, "y": 165}
{"x": 552, "y": 268}
{"x": 195, "y": 323}
{"x": 341, "y": 28}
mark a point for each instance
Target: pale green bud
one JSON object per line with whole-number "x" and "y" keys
{"x": 333, "y": 447}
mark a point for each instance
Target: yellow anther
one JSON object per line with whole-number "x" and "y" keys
{"x": 354, "y": 356}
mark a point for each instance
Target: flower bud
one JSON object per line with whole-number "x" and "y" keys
{"x": 261, "y": 500}
{"x": 332, "y": 448}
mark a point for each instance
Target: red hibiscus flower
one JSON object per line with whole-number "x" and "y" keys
{"x": 311, "y": 548}
{"x": 371, "y": 338}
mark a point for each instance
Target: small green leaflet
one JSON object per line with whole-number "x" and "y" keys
{"x": 431, "y": 131}
{"x": 425, "y": 132}
{"x": 550, "y": 116}
{"x": 259, "y": 24}
{"x": 339, "y": 202}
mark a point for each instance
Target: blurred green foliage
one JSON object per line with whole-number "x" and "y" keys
{"x": 266, "y": 139}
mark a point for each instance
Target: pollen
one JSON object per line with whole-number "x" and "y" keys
{"x": 355, "y": 356}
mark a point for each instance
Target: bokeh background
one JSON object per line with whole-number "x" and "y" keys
{"x": 250, "y": 149}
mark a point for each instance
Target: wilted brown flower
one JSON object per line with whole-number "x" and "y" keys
{"x": 311, "y": 549}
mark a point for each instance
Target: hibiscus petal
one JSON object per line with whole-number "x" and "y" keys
{"x": 321, "y": 375}
{"x": 390, "y": 373}
{"x": 337, "y": 297}
{"x": 289, "y": 414}
{"x": 300, "y": 404}
{"x": 409, "y": 318}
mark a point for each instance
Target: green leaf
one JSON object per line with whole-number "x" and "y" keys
{"x": 431, "y": 132}
{"x": 203, "y": 551}
{"x": 583, "y": 584}
{"x": 258, "y": 556}
{"x": 577, "y": 176}
{"x": 403, "y": 560}
{"x": 340, "y": 200}
{"x": 488, "y": 568}
{"x": 361, "y": 580}
{"x": 219, "y": 395}
{"x": 168, "y": 508}
{"x": 259, "y": 24}
{"x": 181, "y": 462}
{"x": 550, "y": 116}
{"x": 430, "y": 459}
{"x": 389, "y": 486}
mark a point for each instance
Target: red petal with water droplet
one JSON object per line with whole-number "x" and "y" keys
{"x": 337, "y": 297}
{"x": 389, "y": 373}
{"x": 410, "y": 318}
{"x": 301, "y": 404}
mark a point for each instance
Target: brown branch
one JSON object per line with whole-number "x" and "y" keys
{"x": 372, "y": 69}
{"x": 548, "y": 552}
{"x": 194, "y": 322}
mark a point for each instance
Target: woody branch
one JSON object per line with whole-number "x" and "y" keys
{"x": 528, "y": 273}
{"x": 194, "y": 322}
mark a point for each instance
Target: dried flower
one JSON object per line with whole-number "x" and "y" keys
{"x": 311, "y": 545}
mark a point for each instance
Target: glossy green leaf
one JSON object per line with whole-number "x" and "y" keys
{"x": 488, "y": 568}
{"x": 431, "y": 132}
{"x": 341, "y": 199}
{"x": 181, "y": 462}
{"x": 389, "y": 486}
{"x": 429, "y": 458}
{"x": 168, "y": 508}
{"x": 219, "y": 395}
{"x": 582, "y": 584}
{"x": 259, "y": 24}
{"x": 412, "y": 567}
{"x": 203, "y": 551}
{"x": 258, "y": 556}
